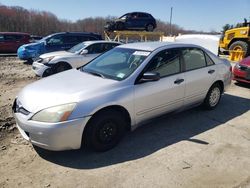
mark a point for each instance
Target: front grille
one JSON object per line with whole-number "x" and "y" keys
{"x": 243, "y": 68}
{"x": 18, "y": 108}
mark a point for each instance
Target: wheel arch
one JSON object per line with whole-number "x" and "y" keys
{"x": 117, "y": 108}
{"x": 62, "y": 62}
{"x": 236, "y": 39}
{"x": 221, "y": 84}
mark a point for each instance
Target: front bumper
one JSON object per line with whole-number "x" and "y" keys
{"x": 40, "y": 68}
{"x": 52, "y": 136}
{"x": 241, "y": 75}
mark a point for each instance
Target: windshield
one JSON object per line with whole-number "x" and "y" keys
{"x": 45, "y": 38}
{"x": 77, "y": 47}
{"x": 117, "y": 63}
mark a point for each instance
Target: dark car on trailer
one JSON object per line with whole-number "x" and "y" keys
{"x": 133, "y": 21}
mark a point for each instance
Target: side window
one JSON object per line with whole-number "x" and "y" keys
{"x": 12, "y": 37}
{"x": 94, "y": 49}
{"x": 1, "y": 38}
{"x": 141, "y": 15}
{"x": 55, "y": 40}
{"x": 166, "y": 62}
{"x": 134, "y": 16}
{"x": 194, "y": 58}
{"x": 107, "y": 46}
{"x": 70, "y": 39}
{"x": 209, "y": 60}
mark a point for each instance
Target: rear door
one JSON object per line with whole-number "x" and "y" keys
{"x": 200, "y": 74}
{"x": 69, "y": 41}
{"x": 165, "y": 95}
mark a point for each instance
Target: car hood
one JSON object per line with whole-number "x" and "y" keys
{"x": 66, "y": 87}
{"x": 58, "y": 53}
{"x": 34, "y": 45}
{"x": 246, "y": 62}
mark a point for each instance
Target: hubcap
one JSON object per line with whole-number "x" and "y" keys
{"x": 214, "y": 96}
{"x": 150, "y": 28}
{"x": 107, "y": 132}
{"x": 60, "y": 68}
{"x": 238, "y": 48}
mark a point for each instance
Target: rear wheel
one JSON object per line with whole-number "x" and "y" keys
{"x": 149, "y": 27}
{"x": 240, "y": 46}
{"x": 104, "y": 130}
{"x": 213, "y": 97}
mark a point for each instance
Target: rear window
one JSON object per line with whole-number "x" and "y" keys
{"x": 194, "y": 58}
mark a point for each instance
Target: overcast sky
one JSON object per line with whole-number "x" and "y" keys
{"x": 201, "y": 15}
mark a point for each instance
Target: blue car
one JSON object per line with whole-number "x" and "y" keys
{"x": 54, "y": 42}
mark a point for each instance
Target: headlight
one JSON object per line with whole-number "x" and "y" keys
{"x": 237, "y": 65}
{"x": 54, "y": 114}
{"x": 48, "y": 59}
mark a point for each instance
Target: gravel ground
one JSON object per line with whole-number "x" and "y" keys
{"x": 194, "y": 148}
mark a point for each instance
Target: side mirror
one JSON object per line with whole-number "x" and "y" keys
{"x": 150, "y": 77}
{"x": 84, "y": 52}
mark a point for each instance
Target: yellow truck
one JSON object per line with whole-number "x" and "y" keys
{"x": 236, "y": 40}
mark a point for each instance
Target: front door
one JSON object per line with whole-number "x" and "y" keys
{"x": 165, "y": 95}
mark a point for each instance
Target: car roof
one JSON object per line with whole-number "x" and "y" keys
{"x": 14, "y": 33}
{"x": 74, "y": 33}
{"x": 151, "y": 46}
{"x": 99, "y": 41}
{"x": 138, "y": 12}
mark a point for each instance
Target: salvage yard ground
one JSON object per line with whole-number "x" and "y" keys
{"x": 194, "y": 148}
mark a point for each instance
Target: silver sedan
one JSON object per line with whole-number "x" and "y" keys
{"x": 118, "y": 91}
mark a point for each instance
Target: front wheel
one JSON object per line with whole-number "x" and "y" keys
{"x": 60, "y": 67}
{"x": 104, "y": 131}
{"x": 213, "y": 97}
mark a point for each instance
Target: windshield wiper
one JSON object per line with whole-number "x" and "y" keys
{"x": 95, "y": 73}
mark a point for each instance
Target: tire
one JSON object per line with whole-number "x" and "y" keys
{"x": 61, "y": 66}
{"x": 47, "y": 72}
{"x": 240, "y": 45}
{"x": 104, "y": 131}
{"x": 213, "y": 97}
{"x": 150, "y": 27}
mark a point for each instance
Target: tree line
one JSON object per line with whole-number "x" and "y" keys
{"x": 42, "y": 23}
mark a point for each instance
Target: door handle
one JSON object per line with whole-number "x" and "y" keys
{"x": 178, "y": 81}
{"x": 211, "y": 71}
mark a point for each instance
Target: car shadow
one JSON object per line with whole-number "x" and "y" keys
{"x": 28, "y": 62}
{"x": 242, "y": 84}
{"x": 158, "y": 134}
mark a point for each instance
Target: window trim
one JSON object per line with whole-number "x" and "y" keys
{"x": 204, "y": 54}
{"x": 137, "y": 80}
{"x": 207, "y": 56}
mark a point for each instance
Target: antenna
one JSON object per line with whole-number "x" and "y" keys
{"x": 171, "y": 12}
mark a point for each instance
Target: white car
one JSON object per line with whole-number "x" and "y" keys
{"x": 82, "y": 53}
{"x": 117, "y": 91}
